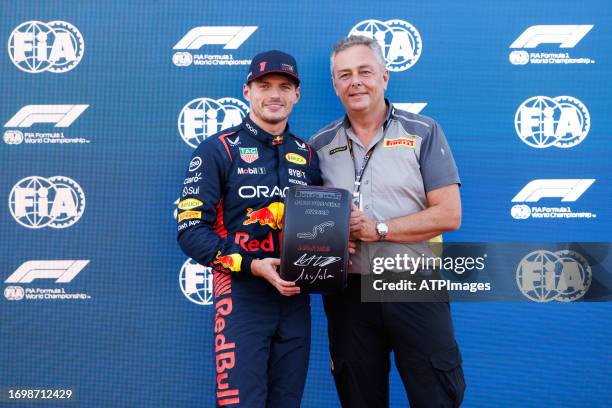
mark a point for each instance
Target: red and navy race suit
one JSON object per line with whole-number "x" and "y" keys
{"x": 231, "y": 212}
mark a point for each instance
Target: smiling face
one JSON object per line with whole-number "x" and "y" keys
{"x": 271, "y": 98}
{"x": 359, "y": 79}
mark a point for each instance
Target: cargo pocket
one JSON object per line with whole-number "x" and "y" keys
{"x": 447, "y": 365}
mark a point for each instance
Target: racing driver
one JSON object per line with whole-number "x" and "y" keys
{"x": 231, "y": 218}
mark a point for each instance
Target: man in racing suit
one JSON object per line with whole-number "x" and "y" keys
{"x": 231, "y": 218}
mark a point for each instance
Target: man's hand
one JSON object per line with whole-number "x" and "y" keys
{"x": 267, "y": 268}
{"x": 363, "y": 228}
{"x": 352, "y": 247}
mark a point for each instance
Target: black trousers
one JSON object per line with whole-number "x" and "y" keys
{"x": 420, "y": 334}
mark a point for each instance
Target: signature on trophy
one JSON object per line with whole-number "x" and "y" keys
{"x": 317, "y": 261}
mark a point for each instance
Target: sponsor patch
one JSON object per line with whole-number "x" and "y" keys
{"x": 231, "y": 262}
{"x": 251, "y": 170}
{"x": 287, "y": 67}
{"x": 189, "y": 204}
{"x": 234, "y": 142}
{"x": 337, "y": 149}
{"x": 278, "y": 139}
{"x": 195, "y": 163}
{"x": 301, "y": 146}
{"x": 191, "y": 190}
{"x": 400, "y": 142}
{"x": 272, "y": 216}
{"x": 297, "y": 173}
{"x": 296, "y": 181}
{"x": 251, "y": 128}
{"x": 295, "y": 158}
{"x": 187, "y": 215}
{"x": 192, "y": 179}
{"x": 249, "y": 154}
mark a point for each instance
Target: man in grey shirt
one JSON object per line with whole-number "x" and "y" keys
{"x": 405, "y": 187}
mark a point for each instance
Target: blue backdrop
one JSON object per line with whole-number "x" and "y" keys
{"x": 112, "y": 81}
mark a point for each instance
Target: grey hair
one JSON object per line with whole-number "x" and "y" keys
{"x": 352, "y": 41}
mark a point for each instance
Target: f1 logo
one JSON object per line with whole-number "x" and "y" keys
{"x": 568, "y": 190}
{"x": 567, "y": 36}
{"x": 230, "y": 37}
{"x": 62, "y": 271}
{"x": 61, "y": 115}
{"x": 412, "y": 107}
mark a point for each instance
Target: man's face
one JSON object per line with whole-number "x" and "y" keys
{"x": 359, "y": 79}
{"x": 272, "y": 97}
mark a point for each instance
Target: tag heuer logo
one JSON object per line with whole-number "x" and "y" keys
{"x": 249, "y": 154}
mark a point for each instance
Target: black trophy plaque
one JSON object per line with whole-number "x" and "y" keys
{"x": 314, "y": 254}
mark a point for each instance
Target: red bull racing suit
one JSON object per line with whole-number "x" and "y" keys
{"x": 230, "y": 213}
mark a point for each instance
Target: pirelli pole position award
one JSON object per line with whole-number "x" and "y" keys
{"x": 315, "y": 238}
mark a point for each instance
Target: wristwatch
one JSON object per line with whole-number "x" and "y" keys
{"x": 382, "y": 229}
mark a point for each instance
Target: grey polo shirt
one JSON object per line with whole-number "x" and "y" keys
{"x": 411, "y": 157}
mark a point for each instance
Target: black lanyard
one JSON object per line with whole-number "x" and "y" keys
{"x": 359, "y": 173}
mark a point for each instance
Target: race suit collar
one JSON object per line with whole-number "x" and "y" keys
{"x": 262, "y": 135}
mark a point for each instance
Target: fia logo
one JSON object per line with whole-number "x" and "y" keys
{"x": 56, "y": 202}
{"x": 399, "y": 40}
{"x": 544, "y": 276}
{"x": 562, "y": 121}
{"x": 203, "y": 117}
{"x": 56, "y": 46}
{"x": 196, "y": 282}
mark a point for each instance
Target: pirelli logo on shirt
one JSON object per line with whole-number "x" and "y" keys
{"x": 409, "y": 142}
{"x": 188, "y": 215}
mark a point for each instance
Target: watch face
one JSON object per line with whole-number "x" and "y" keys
{"x": 382, "y": 228}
